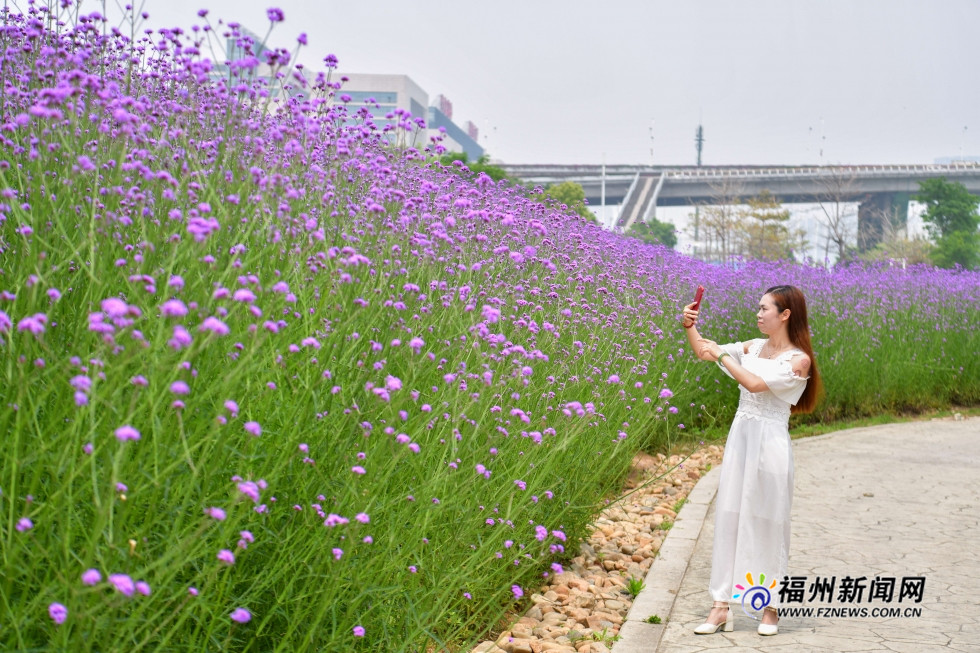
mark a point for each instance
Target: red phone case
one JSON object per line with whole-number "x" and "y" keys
{"x": 697, "y": 297}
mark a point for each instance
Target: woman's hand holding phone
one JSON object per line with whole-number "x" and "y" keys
{"x": 691, "y": 310}
{"x": 690, "y": 316}
{"x": 697, "y": 297}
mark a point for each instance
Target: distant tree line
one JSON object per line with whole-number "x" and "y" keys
{"x": 733, "y": 227}
{"x": 566, "y": 196}
{"x": 737, "y": 228}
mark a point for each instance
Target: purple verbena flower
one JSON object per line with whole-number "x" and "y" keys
{"x": 215, "y": 513}
{"x": 214, "y": 325}
{"x": 58, "y": 613}
{"x": 250, "y": 489}
{"x": 122, "y": 583}
{"x": 91, "y": 577}
{"x": 126, "y": 432}
{"x": 173, "y": 308}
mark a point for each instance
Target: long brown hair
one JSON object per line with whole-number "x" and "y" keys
{"x": 798, "y": 331}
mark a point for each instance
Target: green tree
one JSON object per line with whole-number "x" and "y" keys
{"x": 719, "y": 231}
{"x": 480, "y": 165}
{"x": 767, "y": 235}
{"x": 951, "y": 219}
{"x": 572, "y": 195}
{"x": 654, "y": 232}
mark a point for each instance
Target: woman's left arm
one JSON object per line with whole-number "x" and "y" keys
{"x": 746, "y": 379}
{"x": 800, "y": 365}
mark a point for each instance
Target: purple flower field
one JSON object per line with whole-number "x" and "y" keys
{"x": 272, "y": 383}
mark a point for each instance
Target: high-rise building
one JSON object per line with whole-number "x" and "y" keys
{"x": 390, "y": 99}
{"x": 455, "y": 139}
{"x": 383, "y": 94}
{"x": 388, "y": 92}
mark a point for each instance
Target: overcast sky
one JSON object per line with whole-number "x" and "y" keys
{"x": 573, "y": 81}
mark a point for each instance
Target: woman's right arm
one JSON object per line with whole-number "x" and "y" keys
{"x": 693, "y": 337}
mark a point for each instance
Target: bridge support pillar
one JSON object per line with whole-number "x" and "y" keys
{"x": 881, "y": 215}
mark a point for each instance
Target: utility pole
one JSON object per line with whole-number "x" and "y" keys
{"x": 823, "y": 140}
{"x": 699, "y": 142}
{"x": 652, "y": 123}
{"x": 602, "y": 196}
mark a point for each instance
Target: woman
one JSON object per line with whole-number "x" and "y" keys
{"x": 776, "y": 376}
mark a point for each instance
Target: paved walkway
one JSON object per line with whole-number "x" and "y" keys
{"x": 897, "y": 500}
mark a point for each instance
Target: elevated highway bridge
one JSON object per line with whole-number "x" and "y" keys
{"x": 879, "y": 190}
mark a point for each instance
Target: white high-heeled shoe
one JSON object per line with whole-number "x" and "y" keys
{"x": 708, "y": 628}
{"x": 769, "y": 629}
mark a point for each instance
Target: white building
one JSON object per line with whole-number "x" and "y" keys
{"x": 382, "y": 94}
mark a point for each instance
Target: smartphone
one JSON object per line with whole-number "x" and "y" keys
{"x": 697, "y": 297}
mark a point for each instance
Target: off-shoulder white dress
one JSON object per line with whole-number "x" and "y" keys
{"x": 755, "y": 491}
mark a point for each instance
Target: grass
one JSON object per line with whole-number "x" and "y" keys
{"x": 717, "y": 434}
{"x": 634, "y": 586}
{"x": 810, "y": 430}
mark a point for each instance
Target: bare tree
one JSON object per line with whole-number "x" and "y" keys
{"x": 895, "y": 244}
{"x": 721, "y": 228}
{"x": 800, "y": 243}
{"x": 892, "y": 226}
{"x": 836, "y": 202}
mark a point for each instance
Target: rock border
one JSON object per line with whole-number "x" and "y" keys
{"x": 664, "y": 579}
{"x": 588, "y": 607}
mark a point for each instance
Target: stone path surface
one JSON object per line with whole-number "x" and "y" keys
{"x": 898, "y": 500}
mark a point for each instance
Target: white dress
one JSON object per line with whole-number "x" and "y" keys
{"x": 755, "y": 491}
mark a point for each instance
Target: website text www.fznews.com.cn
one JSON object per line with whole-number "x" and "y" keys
{"x": 850, "y": 612}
